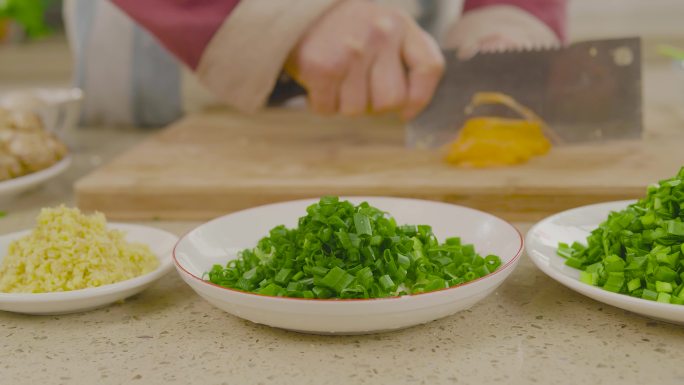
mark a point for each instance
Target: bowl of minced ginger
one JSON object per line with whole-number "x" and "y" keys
{"x": 68, "y": 251}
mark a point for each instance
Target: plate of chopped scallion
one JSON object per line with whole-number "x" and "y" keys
{"x": 348, "y": 265}
{"x": 627, "y": 254}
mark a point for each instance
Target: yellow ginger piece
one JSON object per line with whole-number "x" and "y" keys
{"x": 494, "y": 141}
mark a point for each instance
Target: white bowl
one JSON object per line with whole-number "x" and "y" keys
{"x": 219, "y": 240}
{"x": 15, "y": 186}
{"x": 160, "y": 242}
{"x": 575, "y": 225}
{"x": 59, "y": 108}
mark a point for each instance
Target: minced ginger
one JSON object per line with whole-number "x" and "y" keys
{"x": 494, "y": 141}
{"x": 69, "y": 251}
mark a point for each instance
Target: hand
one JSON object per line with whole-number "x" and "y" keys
{"x": 360, "y": 57}
{"x": 498, "y": 28}
{"x": 490, "y": 43}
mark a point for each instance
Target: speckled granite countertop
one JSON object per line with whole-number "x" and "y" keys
{"x": 531, "y": 330}
{"x": 521, "y": 334}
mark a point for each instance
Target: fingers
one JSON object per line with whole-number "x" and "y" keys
{"x": 388, "y": 80}
{"x": 425, "y": 65}
{"x": 497, "y": 43}
{"x": 353, "y": 98}
{"x": 323, "y": 97}
{"x": 488, "y": 44}
{"x": 321, "y": 71}
{"x": 467, "y": 52}
{"x": 393, "y": 64}
{"x": 403, "y": 74}
{"x": 323, "y": 84}
{"x": 376, "y": 81}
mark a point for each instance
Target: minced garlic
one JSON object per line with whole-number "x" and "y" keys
{"x": 69, "y": 251}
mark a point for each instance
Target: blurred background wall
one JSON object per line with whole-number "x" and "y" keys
{"x": 657, "y": 21}
{"x": 651, "y": 19}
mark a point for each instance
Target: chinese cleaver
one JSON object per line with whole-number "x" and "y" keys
{"x": 587, "y": 91}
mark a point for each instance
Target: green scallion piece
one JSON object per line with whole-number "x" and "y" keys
{"x": 337, "y": 279}
{"x": 386, "y": 282}
{"x": 664, "y": 297}
{"x": 573, "y": 262}
{"x": 663, "y": 287}
{"x": 649, "y": 295}
{"x": 634, "y": 284}
{"x": 677, "y": 300}
{"x": 589, "y": 278}
{"x": 283, "y": 276}
{"x": 362, "y": 224}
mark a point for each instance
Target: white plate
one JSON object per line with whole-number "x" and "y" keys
{"x": 219, "y": 240}
{"x": 160, "y": 242}
{"x": 14, "y": 186}
{"x": 574, "y": 225}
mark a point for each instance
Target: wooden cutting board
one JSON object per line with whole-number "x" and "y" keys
{"x": 216, "y": 162}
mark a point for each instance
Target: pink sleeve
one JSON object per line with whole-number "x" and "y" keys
{"x": 183, "y": 27}
{"x": 551, "y": 12}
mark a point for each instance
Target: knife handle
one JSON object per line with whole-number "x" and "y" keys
{"x": 286, "y": 88}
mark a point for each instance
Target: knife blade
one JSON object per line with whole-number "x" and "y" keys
{"x": 587, "y": 91}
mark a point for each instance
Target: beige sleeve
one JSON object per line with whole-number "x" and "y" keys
{"x": 245, "y": 57}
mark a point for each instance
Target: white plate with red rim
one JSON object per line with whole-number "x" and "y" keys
{"x": 575, "y": 225}
{"x": 219, "y": 240}
{"x": 160, "y": 242}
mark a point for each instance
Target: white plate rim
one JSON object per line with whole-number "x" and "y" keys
{"x": 513, "y": 261}
{"x": 593, "y": 292}
{"x": 51, "y": 96}
{"x": 165, "y": 266}
{"x": 36, "y": 177}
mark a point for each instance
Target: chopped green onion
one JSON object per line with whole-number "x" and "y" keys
{"x": 677, "y": 300}
{"x": 386, "y": 282}
{"x": 649, "y": 295}
{"x": 362, "y": 224}
{"x": 634, "y": 284}
{"x": 564, "y": 250}
{"x": 614, "y": 282}
{"x": 675, "y": 228}
{"x": 283, "y": 276}
{"x": 339, "y": 250}
{"x": 664, "y": 298}
{"x": 574, "y": 262}
{"x": 589, "y": 278}
{"x": 663, "y": 287}
{"x": 319, "y": 270}
{"x": 270, "y": 289}
{"x": 639, "y": 250}
{"x": 337, "y": 279}
{"x": 322, "y": 292}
